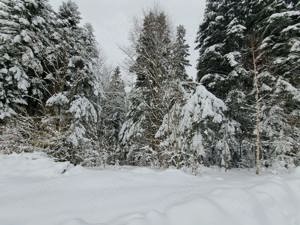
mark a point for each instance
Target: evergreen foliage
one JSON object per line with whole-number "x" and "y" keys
{"x": 264, "y": 33}
{"x": 76, "y": 97}
{"x": 49, "y": 71}
{"x": 27, "y": 47}
{"x": 147, "y": 108}
{"x": 113, "y": 116}
{"x": 243, "y": 110}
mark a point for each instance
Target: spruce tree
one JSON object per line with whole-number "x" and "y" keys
{"x": 77, "y": 94}
{"x": 113, "y": 116}
{"x": 180, "y": 53}
{"x": 252, "y": 69}
{"x": 200, "y": 134}
{"x": 26, "y": 49}
{"x": 276, "y": 34}
{"x": 175, "y": 97}
{"x": 146, "y": 109}
{"x": 221, "y": 69}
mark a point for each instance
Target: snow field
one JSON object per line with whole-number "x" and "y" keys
{"x": 34, "y": 190}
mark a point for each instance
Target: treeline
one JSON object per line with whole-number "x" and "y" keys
{"x": 249, "y": 58}
{"x": 50, "y": 79}
{"x": 243, "y": 110}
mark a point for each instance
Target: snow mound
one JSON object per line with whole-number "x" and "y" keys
{"x": 31, "y": 165}
{"x": 35, "y": 190}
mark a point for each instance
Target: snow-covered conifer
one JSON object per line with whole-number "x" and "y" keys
{"x": 113, "y": 115}
{"x": 79, "y": 86}
{"x": 26, "y": 29}
{"x": 146, "y": 107}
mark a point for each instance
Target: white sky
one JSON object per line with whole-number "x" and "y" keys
{"x": 113, "y": 20}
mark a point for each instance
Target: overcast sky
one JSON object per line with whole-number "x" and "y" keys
{"x": 113, "y": 19}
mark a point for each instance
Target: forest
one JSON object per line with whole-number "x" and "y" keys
{"x": 242, "y": 110}
{"x": 147, "y": 141}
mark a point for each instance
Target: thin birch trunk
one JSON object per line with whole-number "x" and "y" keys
{"x": 257, "y": 128}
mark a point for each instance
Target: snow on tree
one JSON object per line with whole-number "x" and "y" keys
{"x": 245, "y": 110}
{"x": 202, "y": 135}
{"x": 238, "y": 42}
{"x": 113, "y": 116}
{"x": 146, "y": 107}
{"x": 180, "y": 53}
{"x": 26, "y": 28}
{"x": 176, "y": 94}
{"x": 179, "y": 79}
{"x": 210, "y": 41}
{"x": 79, "y": 86}
{"x": 222, "y": 70}
{"x": 278, "y": 56}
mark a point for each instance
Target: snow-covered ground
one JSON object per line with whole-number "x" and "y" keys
{"x": 34, "y": 190}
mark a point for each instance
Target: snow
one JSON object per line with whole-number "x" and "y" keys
{"x": 219, "y": 18}
{"x": 284, "y": 85}
{"x": 197, "y": 143}
{"x": 130, "y": 128}
{"x": 24, "y": 21}
{"x": 8, "y": 23}
{"x": 231, "y": 57}
{"x": 38, "y": 20}
{"x": 23, "y": 84}
{"x": 294, "y": 27}
{"x": 283, "y": 15}
{"x": 35, "y": 190}
{"x": 235, "y": 28}
{"x": 26, "y": 36}
{"x": 5, "y": 111}
{"x": 33, "y": 2}
{"x": 296, "y": 46}
{"x": 212, "y": 49}
{"x": 186, "y": 126}
{"x": 81, "y": 107}
{"x": 77, "y": 135}
{"x": 17, "y": 39}
{"x": 203, "y": 104}
{"x": 58, "y": 99}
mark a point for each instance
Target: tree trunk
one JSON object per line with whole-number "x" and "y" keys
{"x": 257, "y": 106}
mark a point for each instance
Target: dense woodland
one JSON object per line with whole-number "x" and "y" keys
{"x": 243, "y": 110}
